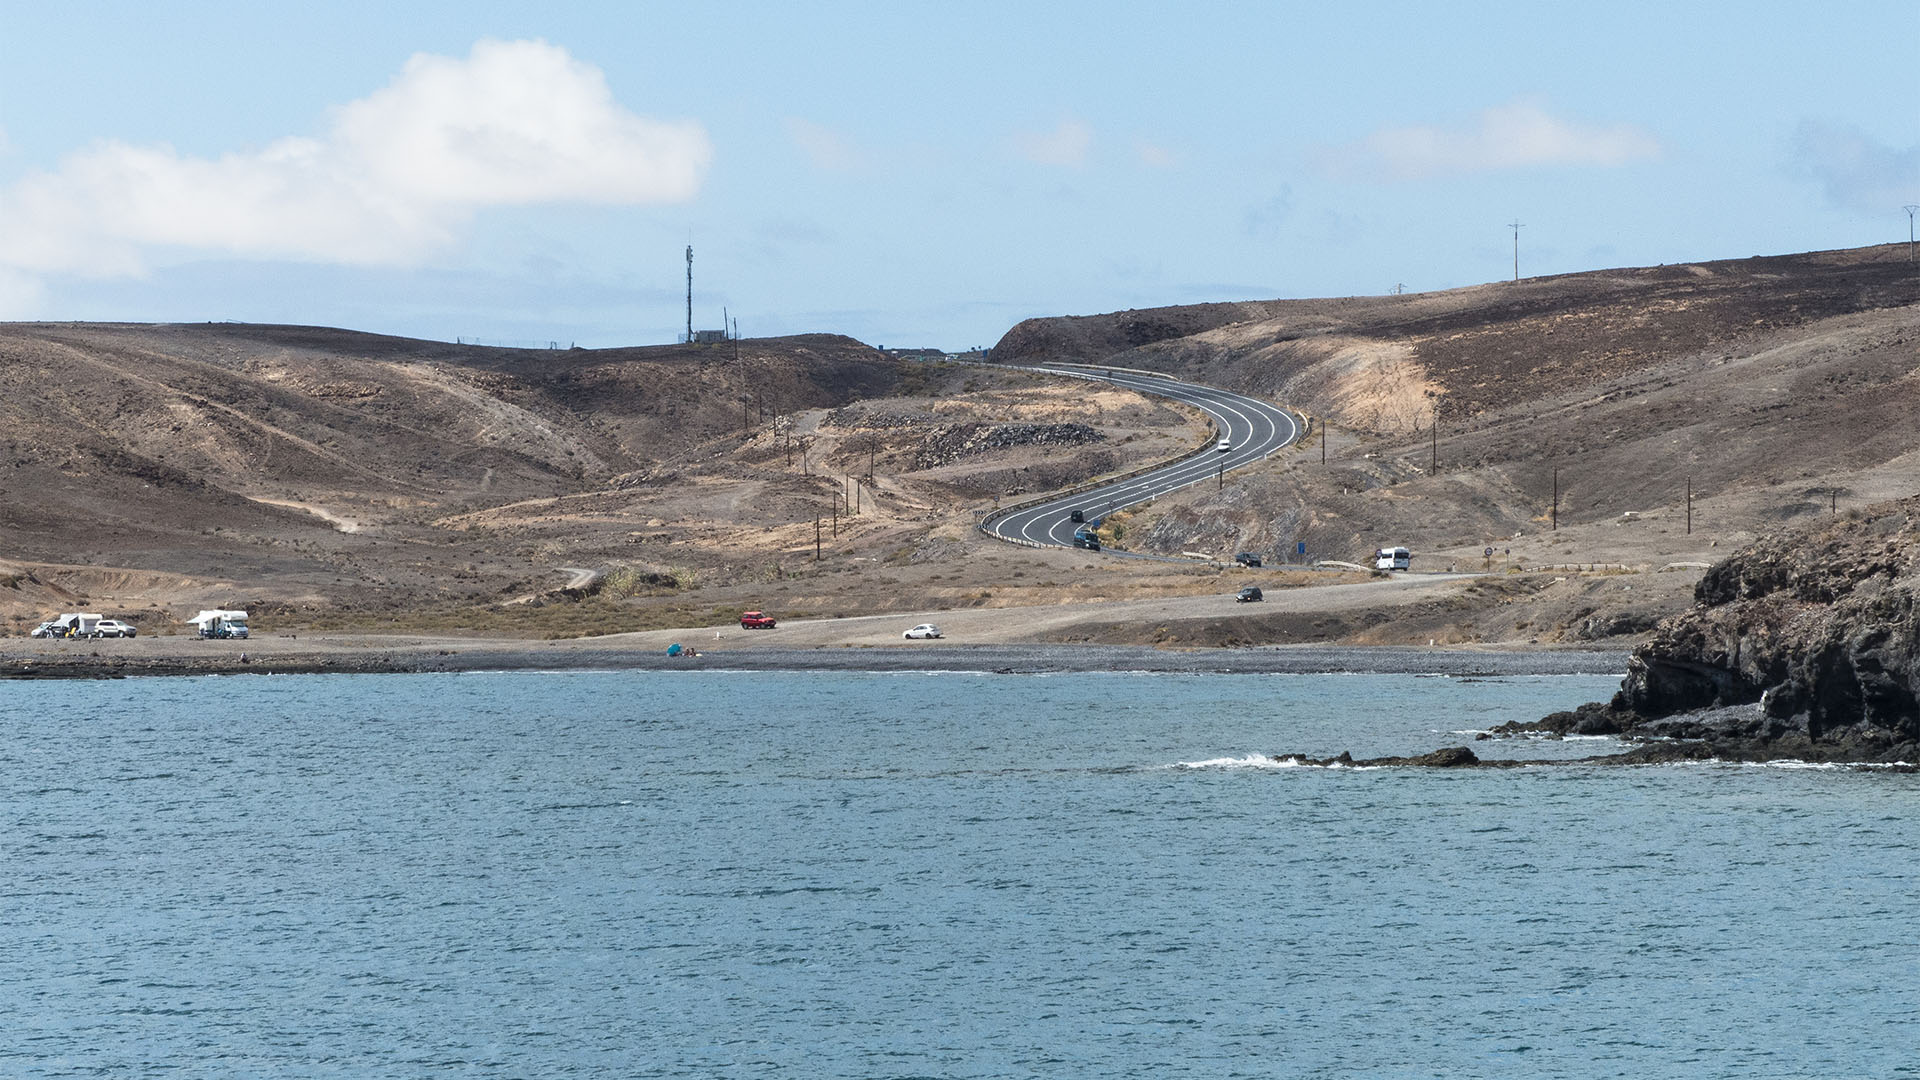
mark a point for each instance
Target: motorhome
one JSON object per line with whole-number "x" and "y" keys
{"x": 1393, "y": 558}
{"x": 220, "y": 623}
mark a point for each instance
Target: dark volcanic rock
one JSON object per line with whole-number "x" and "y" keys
{"x": 1804, "y": 645}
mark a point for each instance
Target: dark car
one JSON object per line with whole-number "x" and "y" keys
{"x": 1084, "y": 538}
{"x": 1247, "y": 558}
{"x": 1077, "y": 517}
{"x": 1248, "y": 595}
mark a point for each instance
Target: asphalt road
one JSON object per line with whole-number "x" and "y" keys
{"x": 1253, "y": 427}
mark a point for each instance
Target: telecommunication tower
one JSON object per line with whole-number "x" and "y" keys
{"x": 689, "y": 292}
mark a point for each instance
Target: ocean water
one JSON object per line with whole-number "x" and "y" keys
{"x": 701, "y": 874}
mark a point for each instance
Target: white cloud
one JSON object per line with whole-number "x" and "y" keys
{"x": 1517, "y": 135}
{"x": 1066, "y": 145}
{"x": 826, "y": 148}
{"x": 1857, "y": 172}
{"x": 394, "y": 179}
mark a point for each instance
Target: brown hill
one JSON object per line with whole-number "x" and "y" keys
{"x": 247, "y": 453}
{"x": 1774, "y": 387}
{"x": 331, "y": 478}
{"x": 148, "y": 470}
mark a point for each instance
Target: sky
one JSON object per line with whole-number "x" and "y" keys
{"x": 912, "y": 174}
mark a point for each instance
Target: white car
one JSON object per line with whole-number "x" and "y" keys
{"x": 1224, "y": 445}
{"x": 924, "y": 630}
{"x": 45, "y": 629}
{"x": 114, "y": 628}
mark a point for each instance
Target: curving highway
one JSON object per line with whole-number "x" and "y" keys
{"x": 1254, "y": 428}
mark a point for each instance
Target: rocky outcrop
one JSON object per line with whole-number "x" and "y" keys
{"x": 1805, "y": 644}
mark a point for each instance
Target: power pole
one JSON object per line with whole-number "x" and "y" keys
{"x": 689, "y": 293}
{"x": 1911, "y": 209}
{"x": 1516, "y": 250}
{"x": 816, "y": 538}
{"x": 1435, "y": 468}
{"x": 1323, "y": 442}
{"x": 1689, "y": 504}
{"x": 1556, "y": 500}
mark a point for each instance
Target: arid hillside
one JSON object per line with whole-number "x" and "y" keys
{"x": 149, "y": 470}
{"x": 327, "y": 479}
{"x": 1772, "y": 388}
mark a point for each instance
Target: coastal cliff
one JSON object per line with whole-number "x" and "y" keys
{"x": 1805, "y": 644}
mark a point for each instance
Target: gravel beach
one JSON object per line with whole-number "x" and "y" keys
{"x": 366, "y": 653}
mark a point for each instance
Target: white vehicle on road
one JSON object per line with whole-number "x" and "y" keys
{"x": 1393, "y": 558}
{"x": 1224, "y": 445}
{"x": 114, "y": 628}
{"x": 923, "y": 631}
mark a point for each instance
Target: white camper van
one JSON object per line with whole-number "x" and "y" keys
{"x": 1393, "y": 558}
{"x": 221, "y": 624}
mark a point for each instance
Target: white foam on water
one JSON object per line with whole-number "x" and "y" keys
{"x": 1251, "y": 761}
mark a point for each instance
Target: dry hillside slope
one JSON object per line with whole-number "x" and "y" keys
{"x": 1774, "y": 388}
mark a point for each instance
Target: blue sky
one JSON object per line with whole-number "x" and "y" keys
{"x": 912, "y": 174}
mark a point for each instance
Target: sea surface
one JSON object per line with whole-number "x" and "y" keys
{"x": 712, "y": 874}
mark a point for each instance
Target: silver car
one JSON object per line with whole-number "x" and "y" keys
{"x": 923, "y": 631}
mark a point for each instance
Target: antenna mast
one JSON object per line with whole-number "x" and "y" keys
{"x": 689, "y": 292}
{"x": 1516, "y": 258}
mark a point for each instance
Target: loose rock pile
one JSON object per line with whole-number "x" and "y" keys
{"x": 966, "y": 440}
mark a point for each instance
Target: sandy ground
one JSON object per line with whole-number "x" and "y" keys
{"x": 986, "y": 639}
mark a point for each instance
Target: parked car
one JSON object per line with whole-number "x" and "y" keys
{"x": 45, "y": 629}
{"x": 924, "y": 630}
{"x": 114, "y": 628}
{"x": 1249, "y": 595}
{"x": 756, "y": 620}
{"x": 1247, "y": 558}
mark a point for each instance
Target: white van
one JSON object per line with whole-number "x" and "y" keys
{"x": 1393, "y": 558}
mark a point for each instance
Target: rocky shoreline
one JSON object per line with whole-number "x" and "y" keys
{"x": 1804, "y": 646}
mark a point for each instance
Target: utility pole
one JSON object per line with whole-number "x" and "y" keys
{"x": 1221, "y": 478}
{"x": 1689, "y": 504}
{"x": 1323, "y": 442}
{"x": 1435, "y": 468}
{"x": 816, "y": 538}
{"x": 1516, "y": 250}
{"x": 1911, "y": 209}
{"x": 689, "y": 293}
{"x": 1556, "y": 500}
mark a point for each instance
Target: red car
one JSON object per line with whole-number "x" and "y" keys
{"x": 755, "y": 620}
